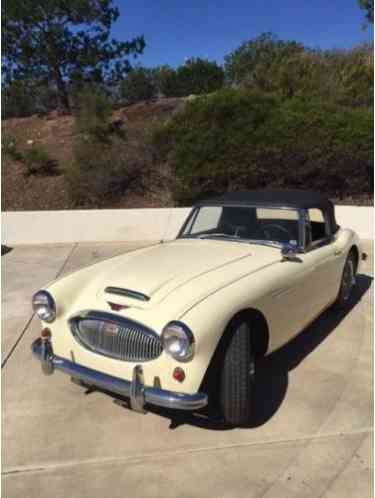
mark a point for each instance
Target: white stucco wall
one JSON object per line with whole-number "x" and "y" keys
{"x": 40, "y": 227}
{"x": 43, "y": 227}
{"x": 360, "y": 219}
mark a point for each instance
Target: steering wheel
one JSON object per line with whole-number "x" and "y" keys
{"x": 235, "y": 230}
{"x": 266, "y": 230}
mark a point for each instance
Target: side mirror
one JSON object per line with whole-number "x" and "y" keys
{"x": 289, "y": 252}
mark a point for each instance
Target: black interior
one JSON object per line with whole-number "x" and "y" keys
{"x": 318, "y": 230}
{"x": 243, "y": 222}
{"x": 288, "y": 229}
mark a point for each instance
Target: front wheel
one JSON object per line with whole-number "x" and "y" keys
{"x": 237, "y": 376}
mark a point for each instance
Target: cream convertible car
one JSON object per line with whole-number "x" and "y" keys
{"x": 246, "y": 273}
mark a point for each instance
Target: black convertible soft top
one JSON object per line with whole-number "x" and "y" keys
{"x": 298, "y": 199}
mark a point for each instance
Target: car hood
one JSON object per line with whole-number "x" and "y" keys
{"x": 147, "y": 277}
{"x": 165, "y": 280}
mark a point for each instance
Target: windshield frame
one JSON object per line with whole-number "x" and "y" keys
{"x": 302, "y": 217}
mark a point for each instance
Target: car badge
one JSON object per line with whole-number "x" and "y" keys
{"x": 117, "y": 307}
{"x": 111, "y": 328}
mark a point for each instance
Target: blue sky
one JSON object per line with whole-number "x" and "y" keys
{"x": 176, "y": 29}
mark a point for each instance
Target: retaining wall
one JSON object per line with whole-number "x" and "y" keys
{"x": 128, "y": 225}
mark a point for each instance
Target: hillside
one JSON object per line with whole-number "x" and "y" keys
{"x": 229, "y": 140}
{"x": 55, "y": 133}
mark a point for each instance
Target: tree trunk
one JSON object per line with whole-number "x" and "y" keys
{"x": 61, "y": 91}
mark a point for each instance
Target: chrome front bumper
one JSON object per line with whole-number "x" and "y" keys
{"x": 135, "y": 390}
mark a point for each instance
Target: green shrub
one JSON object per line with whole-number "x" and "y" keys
{"x": 102, "y": 173}
{"x": 94, "y": 172}
{"x": 25, "y": 98}
{"x": 164, "y": 80}
{"x": 92, "y": 115}
{"x": 237, "y": 139}
{"x": 9, "y": 147}
{"x": 253, "y": 62}
{"x": 38, "y": 162}
{"x": 138, "y": 86}
{"x": 105, "y": 164}
{"x": 289, "y": 69}
{"x": 195, "y": 77}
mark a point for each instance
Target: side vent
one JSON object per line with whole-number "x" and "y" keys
{"x": 118, "y": 291}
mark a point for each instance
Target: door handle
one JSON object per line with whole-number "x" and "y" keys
{"x": 338, "y": 252}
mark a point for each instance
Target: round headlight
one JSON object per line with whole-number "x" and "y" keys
{"x": 178, "y": 341}
{"x": 44, "y": 306}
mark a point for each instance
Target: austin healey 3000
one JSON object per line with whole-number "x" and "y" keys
{"x": 246, "y": 273}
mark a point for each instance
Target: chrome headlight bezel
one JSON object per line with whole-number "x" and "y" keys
{"x": 178, "y": 341}
{"x": 44, "y": 306}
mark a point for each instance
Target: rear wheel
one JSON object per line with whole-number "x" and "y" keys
{"x": 237, "y": 376}
{"x": 348, "y": 281}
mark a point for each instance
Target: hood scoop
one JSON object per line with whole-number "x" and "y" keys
{"x": 119, "y": 291}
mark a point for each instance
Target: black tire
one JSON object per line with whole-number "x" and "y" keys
{"x": 237, "y": 376}
{"x": 348, "y": 281}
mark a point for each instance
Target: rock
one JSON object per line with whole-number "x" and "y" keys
{"x": 116, "y": 125}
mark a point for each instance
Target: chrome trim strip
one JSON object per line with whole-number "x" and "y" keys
{"x": 281, "y": 292}
{"x": 152, "y": 395}
{"x": 302, "y": 229}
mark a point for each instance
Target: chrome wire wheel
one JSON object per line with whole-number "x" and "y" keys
{"x": 348, "y": 280}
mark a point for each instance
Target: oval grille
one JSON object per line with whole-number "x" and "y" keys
{"x": 115, "y": 336}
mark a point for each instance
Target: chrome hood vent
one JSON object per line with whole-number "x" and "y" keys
{"x": 118, "y": 291}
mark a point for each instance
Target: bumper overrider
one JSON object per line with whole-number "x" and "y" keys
{"x": 136, "y": 391}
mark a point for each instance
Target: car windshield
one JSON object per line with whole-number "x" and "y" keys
{"x": 248, "y": 224}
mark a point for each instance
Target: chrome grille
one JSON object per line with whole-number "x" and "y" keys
{"x": 116, "y": 337}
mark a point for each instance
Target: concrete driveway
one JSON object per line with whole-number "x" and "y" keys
{"x": 311, "y": 434}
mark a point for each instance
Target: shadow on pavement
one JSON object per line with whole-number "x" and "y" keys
{"x": 272, "y": 371}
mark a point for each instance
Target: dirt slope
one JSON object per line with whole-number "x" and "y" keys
{"x": 56, "y": 133}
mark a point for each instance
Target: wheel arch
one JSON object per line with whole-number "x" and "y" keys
{"x": 259, "y": 329}
{"x": 355, "y": 251}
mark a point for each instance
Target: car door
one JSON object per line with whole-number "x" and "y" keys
{"x": 321, "y": 255}
{"x": 290, "y": 309}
